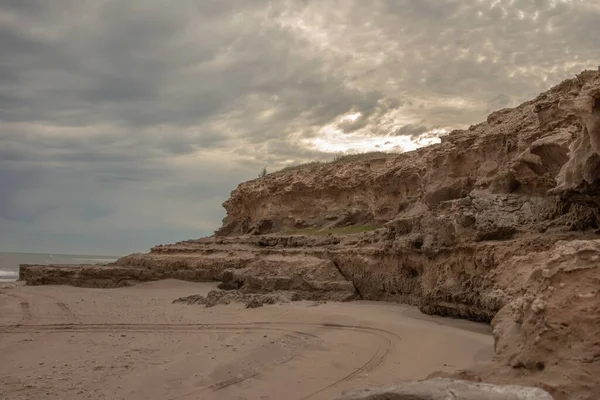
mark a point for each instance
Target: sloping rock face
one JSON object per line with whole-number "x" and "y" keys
{"x": 548, "y": 333}
{"x": 582, "y": 171}
{"x": 486, "y": 225}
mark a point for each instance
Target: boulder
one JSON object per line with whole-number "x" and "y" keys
{"x": 448, "y": 389}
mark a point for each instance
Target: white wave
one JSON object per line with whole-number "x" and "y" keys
{"x": 8, "y": 275}
{"x": 7, "y": 272}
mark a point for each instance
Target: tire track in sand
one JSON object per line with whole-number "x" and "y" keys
{"x": 386, "y": 340}
{"x": 71, "y": 317}
{"x": 65, "y": 310}
{"x": 26, "y": 311}
{"x": 25, "y": 308}
{"x": 374, "y": 361}
{"x": 27, "y": 315}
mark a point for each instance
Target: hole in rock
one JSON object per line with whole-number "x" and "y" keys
{"x": 514, "y": 185}
{"x": 540, "y": 366}
{"x": 412, "y": 272}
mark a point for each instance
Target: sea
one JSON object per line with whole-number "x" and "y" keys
{"x": 9, "y": 262}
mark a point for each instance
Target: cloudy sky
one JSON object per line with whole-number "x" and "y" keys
{"x": 124, "y": 124}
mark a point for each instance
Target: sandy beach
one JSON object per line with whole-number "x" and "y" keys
{"x": 60, "y": 342}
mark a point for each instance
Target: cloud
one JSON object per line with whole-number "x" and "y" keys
{"x": 411, "y": 130}
{"x": 125, "y": 117}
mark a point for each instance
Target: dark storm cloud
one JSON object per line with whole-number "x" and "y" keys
{"x": 147, "y": 66}
{"x": 142, "y": 115}
{"x": 411, "y": 130}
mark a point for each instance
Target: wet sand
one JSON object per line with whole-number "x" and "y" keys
{"x": 59, "y": 342}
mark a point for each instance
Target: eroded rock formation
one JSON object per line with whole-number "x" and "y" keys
{"x": 583, "y": 167}
{"x": 490, "y": 179}
{"x": 251, "y": 300}
{"x": 496, "y": 223}
{"x": 548, "y": 332}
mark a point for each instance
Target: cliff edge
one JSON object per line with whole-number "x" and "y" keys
{"x": 497, "y": 223}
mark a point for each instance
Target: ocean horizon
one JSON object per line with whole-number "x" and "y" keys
{"x": 10, "y": 261}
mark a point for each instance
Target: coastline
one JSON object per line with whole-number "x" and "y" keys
{"x": 102, "y": 338}
{"x": 10, "y": 261}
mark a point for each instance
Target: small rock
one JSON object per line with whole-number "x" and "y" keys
{"x": 546, "y": 273}
{"x": 442, "y": 389}
{"x": 538, "y": 305}
{"x": 589, "y": 295}
{"x": 254, "y": 303}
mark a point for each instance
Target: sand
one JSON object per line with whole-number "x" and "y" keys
{"x": 59, "y": 342}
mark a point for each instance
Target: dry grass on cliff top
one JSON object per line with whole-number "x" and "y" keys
{"x": 338, "y": 158}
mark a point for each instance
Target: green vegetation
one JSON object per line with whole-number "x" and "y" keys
{"x": 263, "y": 173}
{"x": 341, "y": 230}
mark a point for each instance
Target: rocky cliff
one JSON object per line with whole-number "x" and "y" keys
{"x": 496, "y": 223}
{"x": 488, "y": 182}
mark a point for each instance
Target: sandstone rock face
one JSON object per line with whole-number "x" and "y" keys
{"x": 550, "y": 328}
{"x": 497, "y": 223}
{"x": 445, "y": 389}
{"x": 483, "y": 183}
{"x": 583, "y": 167}
{"x": 239, "y": 264}
{"x": 81, "y": 275}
